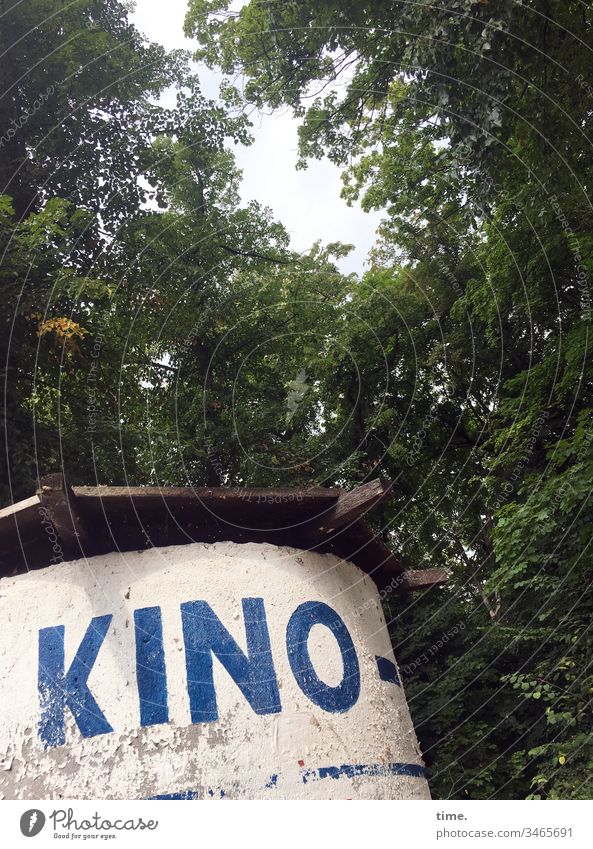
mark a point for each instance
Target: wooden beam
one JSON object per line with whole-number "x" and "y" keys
{"x": 360, "y": 544}
{"x": 16, "y": 517}
{"x": 58, "y": 499}
{"x": 349, "y": 508}
{"x": 126, "y": 518}
{"x": 208, "y": 495}
{"x": 14, "y": 510}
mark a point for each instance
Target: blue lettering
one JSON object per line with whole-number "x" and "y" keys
{"x": 58, "y": 690}
{"x": 205, "y": 635}
{"x": 333, "y": 699}
{"x": 151, "y": 673}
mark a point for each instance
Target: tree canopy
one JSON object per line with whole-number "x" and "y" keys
{"x": 157, "y": 330}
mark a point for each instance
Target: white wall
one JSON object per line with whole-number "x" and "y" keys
{"x": 302, "y": 751}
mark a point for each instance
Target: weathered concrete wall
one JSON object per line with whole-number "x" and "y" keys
{"x": 103, "y": 674}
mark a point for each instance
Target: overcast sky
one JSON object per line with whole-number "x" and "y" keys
{"x": 307, "y": 202}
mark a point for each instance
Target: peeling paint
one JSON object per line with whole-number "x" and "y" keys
{"x": 369, "y": 750}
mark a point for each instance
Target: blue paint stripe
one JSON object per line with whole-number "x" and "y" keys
{"x": 335, "y": 772}
{"x": 387, "y": 670}
{"x": 185, "y": 794}
{"x": 354, "y": 770}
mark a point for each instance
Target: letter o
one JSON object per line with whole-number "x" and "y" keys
{"x": 332, "y": 699}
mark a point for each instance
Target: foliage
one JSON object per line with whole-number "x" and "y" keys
{"x": 469, "y": 126}
{"x": 156, "y": 330}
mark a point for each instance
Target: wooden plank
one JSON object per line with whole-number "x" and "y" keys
{"x": 57, "y": 497}
{"x": 135, "y": 517}
{"x": 360, "y": 544}
{"x": 23, "y": 542}
{"x": 248, "y": 508}
{"x": 18, "y": 522}
{"x": 363, "y": 547}
{"x": 349, "y": 508}
{"x": 238, "y": 495}
{"x": 14, "y": 510}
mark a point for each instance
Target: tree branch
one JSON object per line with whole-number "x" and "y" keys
{"x": 257, "y": 255}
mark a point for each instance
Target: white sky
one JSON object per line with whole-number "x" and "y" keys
{"x": 307, "y": 202}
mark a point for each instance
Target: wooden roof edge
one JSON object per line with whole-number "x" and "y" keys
{"x": 349, "y": 508}
{"x": 19, "y": 507}
{"x": 237, "y": 494}
{"x": 220, "y": 493}
{"x": 338, "y": 527}
{"x": 362, "y": 546}
{"x": 17, "y": 517}
{"x": 349, "y": 505}
{"x": 62, "y": 505}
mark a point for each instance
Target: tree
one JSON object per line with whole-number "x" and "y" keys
{"x": 469, "y": 126}
{"x": 130, "y": 269}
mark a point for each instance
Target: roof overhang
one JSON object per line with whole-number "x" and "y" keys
{"x": 87, "y": 521}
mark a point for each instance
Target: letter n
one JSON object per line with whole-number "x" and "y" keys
{"x": 205, "y": 635}
{"x": 59, "y": 690}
